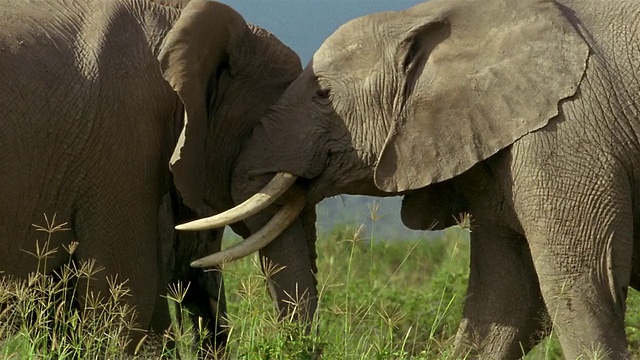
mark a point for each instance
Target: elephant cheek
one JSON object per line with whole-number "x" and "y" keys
{"x": 284, "y": 143}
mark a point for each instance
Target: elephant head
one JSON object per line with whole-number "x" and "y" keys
{"x": 226, "y": 74}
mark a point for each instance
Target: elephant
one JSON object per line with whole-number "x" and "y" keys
{"x": 123, "y": 118}
{"x": 523, "y": 114}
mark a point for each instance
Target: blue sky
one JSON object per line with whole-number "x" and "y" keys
{"x": 304, "y": 24}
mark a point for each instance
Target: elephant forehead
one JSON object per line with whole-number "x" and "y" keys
{"x": 351, "y": 44}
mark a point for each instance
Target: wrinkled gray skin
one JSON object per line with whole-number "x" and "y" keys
{"x": 93, "y": 98}
{"x": 525, "y": 114}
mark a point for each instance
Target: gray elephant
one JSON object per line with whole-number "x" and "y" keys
{"x": 98, "y": 98}
{"x": 525, "y": 114}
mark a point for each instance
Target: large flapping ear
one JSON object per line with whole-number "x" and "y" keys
{"x": 478, "y": 75}
{"x": 191, "y": 54}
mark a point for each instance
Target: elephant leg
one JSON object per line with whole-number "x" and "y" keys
{"x": 504, "y": 314}
{"x": 581, "y": 242}
{"x": 120, "y": 236}
{"x": 206, "y": 299}
{"x": 161, "y": 318}
{"x": 209, "y": 295}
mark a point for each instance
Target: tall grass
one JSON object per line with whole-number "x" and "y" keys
{"x": 378, "y": 299}
{"x": 38, "y": 315}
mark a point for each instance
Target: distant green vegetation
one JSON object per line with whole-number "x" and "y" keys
{"x": 349, "y": 210}
{"x": 378, "y": 300}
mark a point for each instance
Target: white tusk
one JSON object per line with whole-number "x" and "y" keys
{"x": 276, "y": 187}
{"x": 278, "y": 223}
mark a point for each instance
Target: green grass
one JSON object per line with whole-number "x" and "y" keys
{"x": 378, "y": 300}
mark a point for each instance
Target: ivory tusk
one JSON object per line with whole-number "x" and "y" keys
{"x": 276, "y": 187}
{"x": 278, "y": 223}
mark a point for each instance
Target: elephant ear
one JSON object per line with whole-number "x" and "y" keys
{"x": 191, "y": 54}
{"x": 478, "y": 75}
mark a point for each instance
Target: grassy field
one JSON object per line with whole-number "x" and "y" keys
{"x": 379, "y": 299}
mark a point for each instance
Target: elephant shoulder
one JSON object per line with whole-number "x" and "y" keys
{"x": 57, "y": 35}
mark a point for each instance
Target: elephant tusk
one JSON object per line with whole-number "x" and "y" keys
{"x": 263, "y": 237}
{"x": 276, "y": 187}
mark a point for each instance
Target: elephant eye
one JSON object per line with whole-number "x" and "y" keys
{"x": 323, "y": 94}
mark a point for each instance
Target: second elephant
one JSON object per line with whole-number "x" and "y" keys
{"x": 525, "y": 114}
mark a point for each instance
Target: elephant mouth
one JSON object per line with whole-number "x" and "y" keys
{"x": 280, "y": 183}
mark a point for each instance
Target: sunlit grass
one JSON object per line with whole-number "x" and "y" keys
{"x": 378, "y": 299}
{"x": 375, "y": 300}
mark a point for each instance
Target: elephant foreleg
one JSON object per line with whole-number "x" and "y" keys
{"x": 581, "y": 241}
{"x": 585, "y": 274}
{"x": 205, "y": 298}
